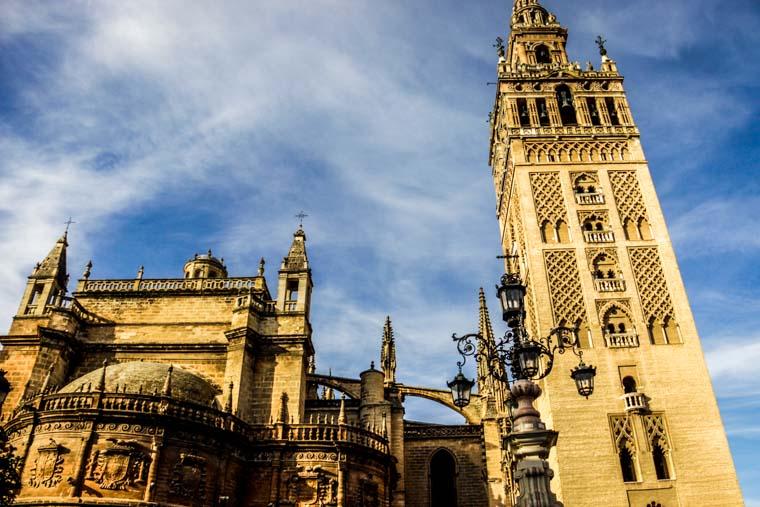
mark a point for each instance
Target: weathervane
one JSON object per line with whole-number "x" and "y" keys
{"x": 601, "y": 42}
{"x": 500, "y": 47}
{"x": 300, "y": 216}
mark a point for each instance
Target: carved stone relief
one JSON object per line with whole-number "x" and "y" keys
{"x": 311, "y": 486}
{"x": 47, "y": 470}
{"x": 121, "y": 465}
{"x": 189, "y": 477}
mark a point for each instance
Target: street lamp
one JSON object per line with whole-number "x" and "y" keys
{"x": 519, "y": 360}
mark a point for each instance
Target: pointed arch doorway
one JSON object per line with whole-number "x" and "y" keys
{"x": 443, "y": 479}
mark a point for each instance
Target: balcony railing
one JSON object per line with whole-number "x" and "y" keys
{"x": 574, "y": 130}
{"x": 621, "y": 340}
{"x": 596, "y": 198}
{"x": 599, "y": 236}
{"x": 635, "y": 402}
{"x": 609, "y": 284}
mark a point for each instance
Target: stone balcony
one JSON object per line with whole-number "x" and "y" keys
{"x": 584, "y": 199}
{"x": 635, "y": 402}
{"x": 621, "y": 340}
{"x": 609, "y": 284}
{"x": 599, "y": 236}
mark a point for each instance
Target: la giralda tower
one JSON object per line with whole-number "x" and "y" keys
{"x": 576, "y": 202}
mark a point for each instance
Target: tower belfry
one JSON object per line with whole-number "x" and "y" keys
{"x": 576, "y": 202}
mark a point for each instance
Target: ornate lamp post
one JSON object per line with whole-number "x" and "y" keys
{"x": 521, "y": 360}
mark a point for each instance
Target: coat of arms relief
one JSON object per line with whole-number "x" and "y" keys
{"x": 121, "y": 465}
{"x": 47, "y": 470}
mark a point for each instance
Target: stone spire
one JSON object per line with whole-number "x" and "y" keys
{"x": 388, "y": 353}
{"x": 488, "y": 374}
{"x": 167, "y": 390}
{"x": 54, "y": 265}
{"x": 296, "y": 260}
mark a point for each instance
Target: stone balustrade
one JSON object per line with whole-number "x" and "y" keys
{"x": 635, "y": 402}
{"x": 621, "y": 340}
{"x": 254, "y": 302}
{"x": 599, "y": 236}
{"x": 167, "y": 285}
{"x": 589, "y": 198}
{"x": 609, "y": 284}
{"x": 92, "y": 402}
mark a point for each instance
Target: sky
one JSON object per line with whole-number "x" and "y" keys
{"x": 168, "y": 128}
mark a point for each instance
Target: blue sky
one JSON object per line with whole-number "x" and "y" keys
{"x": 167, "y": 128}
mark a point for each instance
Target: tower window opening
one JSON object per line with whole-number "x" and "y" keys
{"x": 543, "y": 112}
{"x": 543, "y": 55}
{"x": 566, "y": 107}
{"x": 593, "y": 111}
{"x": 627, "y": 465}
{"x": 629, "y": 385}
{"x": 522, "y": 109}
{"x": 291, "y": 291}
{"x": 660, "y": 462}
{"x": 36, "y": 293}
{"x": 563, "y": 234}
{"x": 612, "y": 110}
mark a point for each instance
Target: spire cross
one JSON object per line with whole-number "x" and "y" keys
{"x": 300, "y": 216}
{"x": 68, "y": 224}
{"x": 601, "y": 42}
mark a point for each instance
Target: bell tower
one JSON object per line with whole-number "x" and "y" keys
{"x": 575, "y": 200}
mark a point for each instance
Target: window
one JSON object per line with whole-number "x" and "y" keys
{"x": 645, "y": 232}
{"x": 443, "y": 480}
{"x": 522, "y": 109}
{"x": 660, "y": 462}
{"x": 543, "y": 55}
{"x": 631, "y": 231}
{"x": 566, "y": 107}
{"x": 543, "y": 113}
{"x": 563, "y": 234}
{"x": 547, "y": 232}
{"x": 610, "y": 103}
{"x": 627, "y": 465}
{"x": 629, "y": 385}
{"x": 593, "y": 111}
{"x": 291, "y": 291}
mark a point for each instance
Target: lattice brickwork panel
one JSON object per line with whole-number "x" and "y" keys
{"x": 532, "y": 317}
{"x": 515, "y": 221}
{"x": 630, "y": 203}
{"x": 650, "y": 281}
{"x": 547, "y": 195}
{"x": 565, "y": 286}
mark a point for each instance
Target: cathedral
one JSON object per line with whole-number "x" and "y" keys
{"x": 202, "y": 390}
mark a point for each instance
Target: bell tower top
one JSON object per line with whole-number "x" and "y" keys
{"x": 536, "y": 38}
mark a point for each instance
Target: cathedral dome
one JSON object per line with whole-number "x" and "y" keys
{"x": 149, "y": 378}
{"x": 205, "y": 266}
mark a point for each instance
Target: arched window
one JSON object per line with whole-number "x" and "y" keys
{"x": 670, "y": 329}
{"x": 547, "y": 232}
{"x": 660, "y": 461}
{"x": 543, "y": 55}
{"x": 657, "y": 332}
{"x": 522, "y": 109}
{"x": 443, "y": 480}
{"x": 566, "y": 107}
{"x": 616, "y": 321}
{"x": 629, "y": 384}
{"x": 645, "y": 232}
{"x": 593, "y": 111}
{"x": 563, "y": 234}
{"x": 631, "y": 231}
{"x": 627, "y": 465}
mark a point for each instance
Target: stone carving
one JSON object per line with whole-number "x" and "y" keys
{"x": 565, "y": 287}
{"x": 312, "y": 486}
{"x": 189, "y": 477}
{"x": 48, "y": 467}
{"x": 622, "y": 434}
{"x": 650, "y": 282}
{"x": 121, "y": 465}
{"x": 578, "y": 151}
{"x": 657, "y": 433}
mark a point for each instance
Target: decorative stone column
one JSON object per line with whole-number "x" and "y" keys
{"x": 529, "y": 444}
